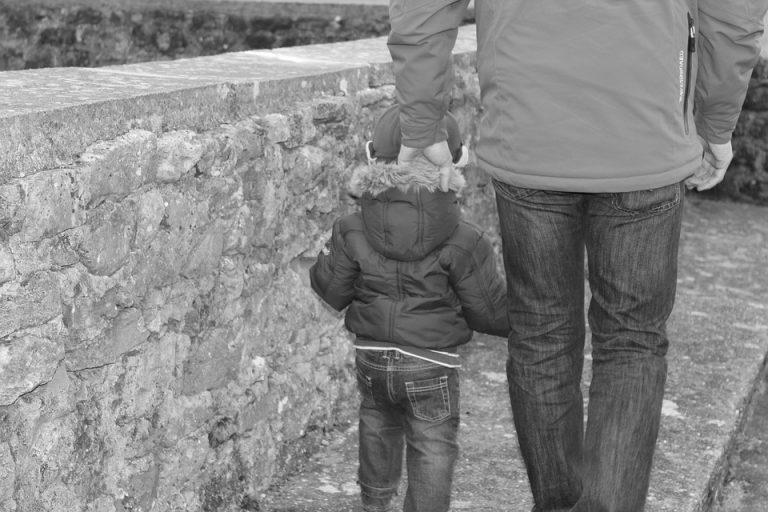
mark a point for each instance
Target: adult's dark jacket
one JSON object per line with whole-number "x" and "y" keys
{"x": 412, "y": 272}
{"x": 582, "y": 95}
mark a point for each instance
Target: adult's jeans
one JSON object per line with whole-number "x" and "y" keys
{"x": 406, "y": 400}
{"x": 631, "y": 242}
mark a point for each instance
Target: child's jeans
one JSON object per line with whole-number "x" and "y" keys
{"x": 407, "y": 399}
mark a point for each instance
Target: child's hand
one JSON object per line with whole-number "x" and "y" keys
{"x": 437, "y": 154}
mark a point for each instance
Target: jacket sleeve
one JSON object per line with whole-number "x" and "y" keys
{"x": 729, "y": 34}
{"x": 421, "y": 40}
{"x": 334, "y": 273}
{"x": 480, "y": 287}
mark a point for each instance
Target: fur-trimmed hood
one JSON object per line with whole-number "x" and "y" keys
{"x": 405, "y": 214}
{"x": 376, "y": 177}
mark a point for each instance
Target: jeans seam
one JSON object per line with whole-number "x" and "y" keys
{"x": 371, "y": 490}
{"x": 651, "y": 212}
{"x": 502, "y": 188}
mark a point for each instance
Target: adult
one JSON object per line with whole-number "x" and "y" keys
{"x": 596, "y": 115}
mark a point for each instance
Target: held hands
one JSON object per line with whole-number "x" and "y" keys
{"x": 713, "y": 166}
{"x": 437, "y": 154}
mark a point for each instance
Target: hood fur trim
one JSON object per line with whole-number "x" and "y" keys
{"x": 376, "y": 177}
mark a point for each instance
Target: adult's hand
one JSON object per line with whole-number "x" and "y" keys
{"x": 714, "y": 163}
{"x": 438, "y": 154}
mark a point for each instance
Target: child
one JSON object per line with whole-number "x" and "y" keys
{"x": 418, "y": 280}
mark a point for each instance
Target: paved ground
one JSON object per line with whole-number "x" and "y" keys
{"x": 719, "y": 333}
{"x": 746, "y": 486}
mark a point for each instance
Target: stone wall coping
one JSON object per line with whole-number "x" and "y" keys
{"x": 265, "y": 7}
{"x": 51, "y": 115}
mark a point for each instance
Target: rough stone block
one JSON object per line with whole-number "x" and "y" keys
{"x": 109, "y": 237}
{"x": 51, "y": 445}
{"x": 141, "y": 486}
{"x": 250, "y": 136}
{"x": 50, "y": 205}
{"x": 375, "y": 96}
{"x": 277, "y": 126}
{"x": 256, "y": 450}
{"x": 301, "y": 126}
{"x": 89, "y": 310}
{"x": 332, "y": 110}
{"x": 177, "y": 154}
{"x": 381, "y": 75}
{"x": 29, "y": 304}
{"x": 161, "y": 262}
{"x": 124, "y": 333}
{"x": 182, "y": 418}
{"x": 10, "y": 203}
{"x": 7, "y": 473}
{"x": 292, "y": 239}
{"x": 116, "y": 168}
{"x": 7, "y": 265}
{"x": 204, "y": 255}
{"x": 240, "y": 232}
{"x": 223, "y": 430}
{"x": 183, "y": 465}
{"x": 184, "y": 211}
{"x": 254, "y": 370}
{"x": 223, "y": 196}
{"x": 26, "y": 362}
{"x": 21, "y": 423}
{"x": 231, "y": 279}
{"x": 303, "y": 168}
{"x": 48, "y": 254}
{"x": 213, "y": 361}
{"x": 150, "y": 209}
{"x": 170, "y": 305}
{"x": 272, "y": 197}
{"x": 228, "y": 148}
{"x": 143, "y": 383}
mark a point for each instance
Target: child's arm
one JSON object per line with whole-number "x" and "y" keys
{"x": 479, "y": 286}
{"x": 334, "y": 273}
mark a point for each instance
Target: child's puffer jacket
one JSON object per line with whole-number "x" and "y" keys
{"x": 412, "y": 272}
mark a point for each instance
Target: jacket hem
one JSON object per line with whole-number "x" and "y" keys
{"x": 447, "y": 357}
{"x": 591, "y": 185}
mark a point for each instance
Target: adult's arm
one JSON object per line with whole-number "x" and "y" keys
{"x": 729, "y": 36}
{"x": 421, "y": 41}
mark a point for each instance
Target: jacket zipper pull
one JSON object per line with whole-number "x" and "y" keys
{"x": 691, "y": 35}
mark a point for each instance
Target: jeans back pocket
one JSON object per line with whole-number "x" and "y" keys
{"x": 430, "y": 399}
{"x": 648, "y": 201}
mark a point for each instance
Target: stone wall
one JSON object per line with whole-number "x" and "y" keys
{"x": 747, "y": 179}
{"x": 160, "y": 347}
{"x": 51, "y": 33}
